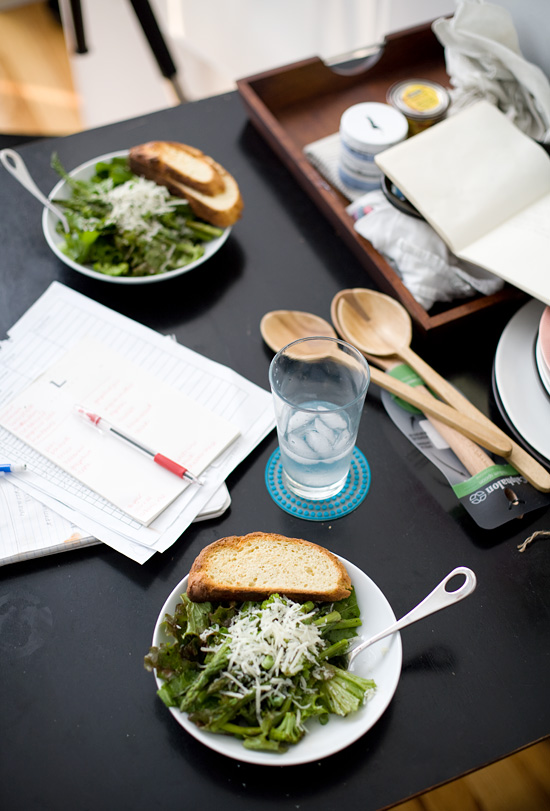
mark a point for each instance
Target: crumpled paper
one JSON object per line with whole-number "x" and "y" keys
{"x": 484, "y": 61}
{"x": 418, "y": 255}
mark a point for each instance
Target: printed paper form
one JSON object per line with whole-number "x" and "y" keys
{"x": 30, "y": 529}
{"x": 43, "y": 416}
{"x": 55, "y": 323}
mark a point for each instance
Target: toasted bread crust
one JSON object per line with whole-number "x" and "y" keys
{"x": 217, "y": 201}
{"x": 181, "y": 162}
{"x": 253, "y": 566}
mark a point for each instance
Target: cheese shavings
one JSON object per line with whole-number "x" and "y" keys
{"x": 269, "y": 645}
{"x": 135, "y": 203}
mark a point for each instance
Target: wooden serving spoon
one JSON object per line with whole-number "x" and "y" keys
{"x": 381, "y": 326}
{"x": 278, "y": 325}
{"x": 353, "y": 309}
{"x": 472, "y": 456}
{"x": 281, "y": 327}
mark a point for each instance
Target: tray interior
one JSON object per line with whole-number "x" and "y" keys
{"x": 297, "y": 104}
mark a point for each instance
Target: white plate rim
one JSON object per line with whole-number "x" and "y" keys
{"x": 384, "y": 659}
{"x": 49, "y": 221}
{"x": 520, "y": 389}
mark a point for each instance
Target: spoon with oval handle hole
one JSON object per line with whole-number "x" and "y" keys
{"x": 436, "y": 600}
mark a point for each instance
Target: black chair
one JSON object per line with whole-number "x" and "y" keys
{"x": 152, "y": 32}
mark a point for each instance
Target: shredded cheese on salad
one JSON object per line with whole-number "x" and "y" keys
{"x": 136, "y": 204}
{"x": 269, "y": 645}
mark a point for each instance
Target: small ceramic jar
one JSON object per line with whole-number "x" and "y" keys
{"x": 365, "y": 130}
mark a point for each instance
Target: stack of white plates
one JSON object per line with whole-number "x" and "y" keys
{"x": 521, "y": 378}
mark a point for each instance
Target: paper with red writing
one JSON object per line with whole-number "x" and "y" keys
{"x": 91, "y": 374}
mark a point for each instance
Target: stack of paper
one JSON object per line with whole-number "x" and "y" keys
{"x": 68, "y": 349}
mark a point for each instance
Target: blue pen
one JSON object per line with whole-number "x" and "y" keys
{"x": 5, "y": 467}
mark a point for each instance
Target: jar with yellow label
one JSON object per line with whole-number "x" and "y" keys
{"x": 421, "y": 101}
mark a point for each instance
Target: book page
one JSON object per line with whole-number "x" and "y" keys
{"x": 521, "y": 246}
{"x": 469, "y": 174}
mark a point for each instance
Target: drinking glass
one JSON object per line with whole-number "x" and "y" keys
{"x": 319, "y": 387}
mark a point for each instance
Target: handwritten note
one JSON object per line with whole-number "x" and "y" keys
{"x": 44, "y": 416}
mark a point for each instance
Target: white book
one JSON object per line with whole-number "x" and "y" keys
{"x": 484, "y": 186}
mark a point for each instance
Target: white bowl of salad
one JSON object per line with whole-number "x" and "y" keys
{"x": 123, "y": 228}
{"x": 381, "y": 662}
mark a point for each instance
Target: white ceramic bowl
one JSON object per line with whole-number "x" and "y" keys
{"x": 381, "y": 662}
{"x": 55, "y": 240}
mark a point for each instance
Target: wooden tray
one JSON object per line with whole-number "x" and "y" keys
{"x": 299, "y": 103}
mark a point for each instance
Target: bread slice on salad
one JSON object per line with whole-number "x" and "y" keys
{"x": 187, "y": 172}
{"x": 253, "y": 566}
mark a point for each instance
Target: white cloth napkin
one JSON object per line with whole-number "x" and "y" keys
{"x": 418, "y": 255}
{"x": 484, "y": 61}
{"x": 324, "y": 154}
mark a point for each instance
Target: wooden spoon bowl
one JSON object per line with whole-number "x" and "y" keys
{"x": 281, "y": 327}
{"x": 375, "y": 322}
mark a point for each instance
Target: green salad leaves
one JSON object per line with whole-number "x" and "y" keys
{"x": 260, "y": 670}
{"x": 125, "y": 225}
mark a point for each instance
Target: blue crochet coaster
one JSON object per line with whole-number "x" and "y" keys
{"x": 354, "y": 491}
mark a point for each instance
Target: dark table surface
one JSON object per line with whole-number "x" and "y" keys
{"x": 81, "y": 724}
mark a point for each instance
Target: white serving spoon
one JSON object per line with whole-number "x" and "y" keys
{"x": 436, "y": 600}
{"x": 15, "y": 165}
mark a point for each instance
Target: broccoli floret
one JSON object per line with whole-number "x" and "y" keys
{"x": 289, "y": 730}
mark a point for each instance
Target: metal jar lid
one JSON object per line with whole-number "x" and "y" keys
{"x": 419, "y": 99}
{"x": 370, "y": 127}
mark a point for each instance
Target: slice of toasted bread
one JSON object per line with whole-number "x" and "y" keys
{"x": 221, "y": 208}
{"x": 181, "y": 162}
{"x": 251, "y": 567}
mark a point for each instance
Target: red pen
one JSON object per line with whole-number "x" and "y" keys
{"x": 161, "y": 460}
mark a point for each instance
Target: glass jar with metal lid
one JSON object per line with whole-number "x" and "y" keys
{"x": 421, "y": 101}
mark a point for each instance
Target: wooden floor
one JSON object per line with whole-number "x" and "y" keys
{"x": 37, "y": 97}
{"x": 520, "y": 782}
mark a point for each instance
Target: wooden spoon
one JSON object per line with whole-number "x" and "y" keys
{"x": 381, "y": 326}
{"x": 280, "y": 327}
{"x": 277, "y": 330}
{"x": 472, "y": 456}
{"x": 354, "y": 308}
